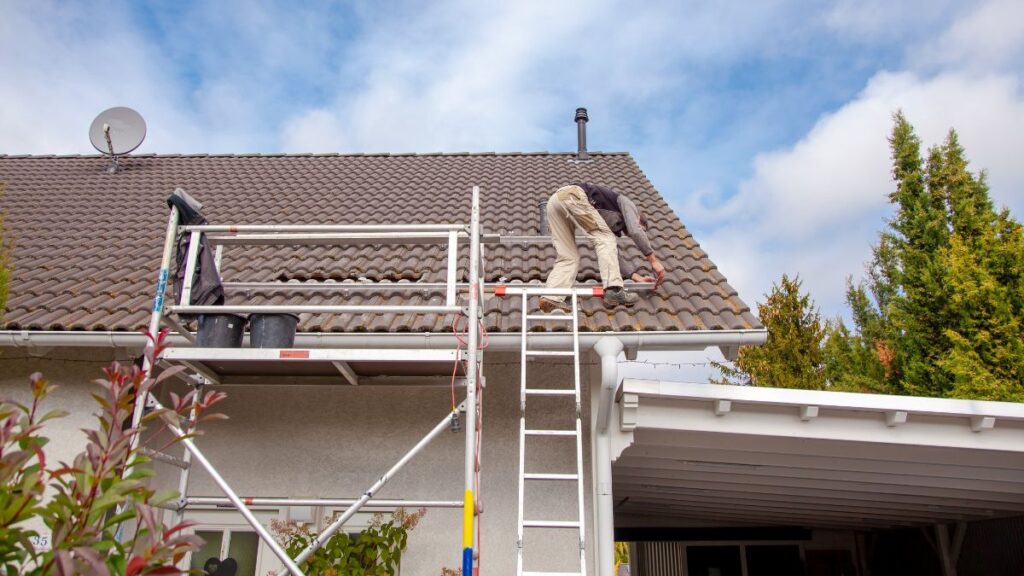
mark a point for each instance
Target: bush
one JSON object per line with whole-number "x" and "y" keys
{"x": 377, "y": 551}
{"x": 101, "y": 495}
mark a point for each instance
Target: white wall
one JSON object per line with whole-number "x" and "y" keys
{"x": 73, "y": 371}
{"x": 335, "y": 441}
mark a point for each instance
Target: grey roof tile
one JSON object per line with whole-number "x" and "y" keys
{"x": 87, "y": 244}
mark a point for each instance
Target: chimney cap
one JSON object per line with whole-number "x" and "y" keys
{"x": 581, "y": 114}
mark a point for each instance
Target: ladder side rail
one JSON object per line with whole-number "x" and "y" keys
{"x": 158, "y": 309}
{"x": 520, "y": 536}
{"x": 190, "y": 427}
{"x": 482, "y": 260}
{"x": 579, "y": 432}
{"x": 190, "y": 267}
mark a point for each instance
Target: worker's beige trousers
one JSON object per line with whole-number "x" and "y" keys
{"x": 567, "y": 208}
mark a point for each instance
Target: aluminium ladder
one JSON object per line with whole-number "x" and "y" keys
{"x": 525, "y": 391}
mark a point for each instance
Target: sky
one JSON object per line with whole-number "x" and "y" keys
{"x": 764, "y": 124}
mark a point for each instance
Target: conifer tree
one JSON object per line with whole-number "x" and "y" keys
{"x": 792, "y": 355}
{"x": 940, "y": 311}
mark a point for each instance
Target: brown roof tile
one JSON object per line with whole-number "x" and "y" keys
{"x": 87, "y": 244}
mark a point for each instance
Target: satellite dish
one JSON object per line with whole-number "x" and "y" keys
{"x": 117, "y": 131}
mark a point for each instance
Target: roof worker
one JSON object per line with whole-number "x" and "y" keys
{"x": 603, "y": 214}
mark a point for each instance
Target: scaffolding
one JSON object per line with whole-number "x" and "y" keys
{"x": 212, "y": 365}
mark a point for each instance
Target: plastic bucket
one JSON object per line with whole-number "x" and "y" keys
{"x": 220, "y": 331}
{"x": 272, "y": 330}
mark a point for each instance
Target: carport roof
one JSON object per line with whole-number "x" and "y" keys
{"x": 702, "y": 454}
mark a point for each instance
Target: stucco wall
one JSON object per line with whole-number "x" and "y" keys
{"x": 73, "y": 372}
{"x": 335, "y": 441}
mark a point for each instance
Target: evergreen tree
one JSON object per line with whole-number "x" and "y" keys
{"x": 792, "y": 355}
{"x": 861, "y": 362}
{"x": 940, "y": 311}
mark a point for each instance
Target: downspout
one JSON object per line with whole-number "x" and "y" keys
{"x": 608, "y": 349}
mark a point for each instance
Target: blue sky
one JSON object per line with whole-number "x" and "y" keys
{"x": 763, "y": 123}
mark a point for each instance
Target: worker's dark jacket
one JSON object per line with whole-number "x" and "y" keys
{"x": 206, "y": 284}
{"x": 622, "y": 217}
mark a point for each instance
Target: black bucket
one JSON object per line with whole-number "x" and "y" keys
{"x": 220, "y": 331}
{"x": 272, "y": 330}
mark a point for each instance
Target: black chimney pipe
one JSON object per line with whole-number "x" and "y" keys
{"x": 581, "y": 134}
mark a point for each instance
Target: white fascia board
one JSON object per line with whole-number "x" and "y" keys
{"x": 764, "y": 416}
{"x": 823, "y": 400}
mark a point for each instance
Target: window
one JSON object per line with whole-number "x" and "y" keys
{"x": 241, "y": 546}
{"x": 228, "y": 535}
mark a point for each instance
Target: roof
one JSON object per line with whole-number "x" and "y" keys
{"x": 87, "y": 244}
{"x": 747, "y": 456}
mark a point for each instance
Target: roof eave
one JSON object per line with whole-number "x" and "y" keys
{"x": 507, "y": 342}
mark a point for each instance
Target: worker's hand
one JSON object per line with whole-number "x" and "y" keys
{"x": 659, "y": 271}
{"x": 638, "y": 277}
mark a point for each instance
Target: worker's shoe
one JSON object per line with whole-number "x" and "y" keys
{"x": 547, "y": 306}
{"x": 616, "y": 296}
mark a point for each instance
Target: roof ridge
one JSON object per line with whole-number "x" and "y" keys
{"x": 303, "y": 155}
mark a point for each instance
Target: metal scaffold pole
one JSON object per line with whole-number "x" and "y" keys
{"x": 158, "y": 310}
{"x": 469, "y": 510}
{"x": 327, "y": 235}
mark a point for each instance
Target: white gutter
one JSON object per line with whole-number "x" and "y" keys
{"x": 608, "y": 349}
{"x": 506, "y": 342}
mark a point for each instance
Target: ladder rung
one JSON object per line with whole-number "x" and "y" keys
{"x": 551, "y": 524}
{"x": 550, "y": 353}
{"x": 550, "y": 432}
{"x": 504, "y": 290}
{"x": 550, "y": 317}
{"x": 538, "y": 476}
{"x": 542, "y": 392}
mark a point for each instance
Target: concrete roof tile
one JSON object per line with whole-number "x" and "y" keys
{"x": 87, "y": 244}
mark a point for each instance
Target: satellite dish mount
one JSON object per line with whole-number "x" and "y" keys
{"x": 116, "y": 132}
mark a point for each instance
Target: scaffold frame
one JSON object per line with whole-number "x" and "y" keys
{"x": 219, "y": 235}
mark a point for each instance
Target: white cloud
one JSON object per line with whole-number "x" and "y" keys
{"x": 64, "y": 66}
{"x": 814, "y": 208}
{"x": 885, "y": 20}
{"x": 440, "y": 83}
{"x": 466, "y": 76}
{"x": 990, "y": 37}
